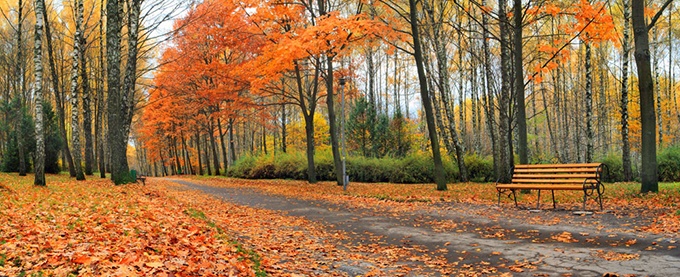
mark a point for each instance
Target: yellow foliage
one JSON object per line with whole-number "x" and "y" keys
{"x": 297, "y": 137}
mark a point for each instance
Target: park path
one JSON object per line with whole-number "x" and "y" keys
{"x": 512, "y": 246}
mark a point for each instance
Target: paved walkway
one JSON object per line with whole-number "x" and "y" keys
{"x": 546, "y": 250}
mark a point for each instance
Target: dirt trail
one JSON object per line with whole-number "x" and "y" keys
{"x": 510, "y": 245}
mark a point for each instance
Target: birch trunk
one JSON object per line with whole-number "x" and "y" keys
{"x": 445, "y": 88}
{"x": 504, "y": 139}
{"x": 589, "y": 103}
{"x": 657, "y": 88}
{"x": 21, "y": 89}
{"x": 488, "y": 98}
{"x": 75, "y": 109}
{"x": 39, "y": 178}
{"x": 87, "y": 109}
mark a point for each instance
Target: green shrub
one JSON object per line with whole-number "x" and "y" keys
{"x": 242, "y": 167}
{"x": 290, "y": 166}
{"x": 323, "y": 164}
{"x": 614, "y": 166}
{"x": 480, "y": 169}
{"x": 669, "y": 164}
{"x": 263, "y": 168}
{"x": 415, "y": 168}
{"x": 362, "y": 169}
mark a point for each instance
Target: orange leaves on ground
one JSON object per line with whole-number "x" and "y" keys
{"x": 615, "y": 256}
{"x": 565, "y": 237}
{"x": 94, "y": 228}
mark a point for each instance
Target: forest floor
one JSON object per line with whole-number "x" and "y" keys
{"x": 198, "y": 226}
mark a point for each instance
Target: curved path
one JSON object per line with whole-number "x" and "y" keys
{"x": 514, "y": 247}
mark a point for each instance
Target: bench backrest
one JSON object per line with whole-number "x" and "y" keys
{"x": 564, "y": 174}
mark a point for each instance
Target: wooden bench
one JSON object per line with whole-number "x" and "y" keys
{"x": 141, "y": 178}
{"x": 586, "y": 177}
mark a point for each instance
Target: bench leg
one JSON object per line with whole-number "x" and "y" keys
{"x": 499, "y": 198}
{"x": 599, "y": 198}
{"x": 585, "y": 197}
{"x": 538, "y": 201}
{"x": 553, "y": 197}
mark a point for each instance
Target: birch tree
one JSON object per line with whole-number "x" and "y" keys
{"x": 625, "y": 57}
{"x": 75, "y": 109}
{"x": 39, "y": 179}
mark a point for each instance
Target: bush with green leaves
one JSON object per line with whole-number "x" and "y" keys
{"x": 669, "y": 164}
{"x": 414, "y": 168}
{"x": 24, "y": 131}
{"x": 480, "y": 169}
{"x": 614, "y": 168}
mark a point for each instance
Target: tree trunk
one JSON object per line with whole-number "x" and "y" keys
{"x": 488, "y": 99}
{"x": 283, "y": 127}
{"x": 21, "y": 90}
{"x": 439, "y": 174}
{"x": 223, "y": 145}
{"x": 657, "y": 89}
{"x": 216, "y": 159}
{"x": 625, "y": 142}
{"x": 39, "y": 178}
{"x": 206, "y": 154}
{"x": 445, "y": 90}
{"x": 116, "y": 114}
{"x": 309, "y": 135}
{"x": 198, "y": 152}
{"x": 232, "y": 145}
{"x": 75, "y": 109}
{"x": 521, "y": 118}
{"x": 99, "y": 122}
{"x": 87, "y": 109}
{"x": 589, "y": 103}
{"x": 648, "y": 172}
{"x": 337, "y": 159}
{"x": 505, "y": 134}
{"x": 58, "y": 95}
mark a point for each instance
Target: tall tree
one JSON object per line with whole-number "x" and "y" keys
{"x": 75, "y": 109}
{"x": 521, "y": 117}
{"x": 625, "y": 57}
{"x": 116, "y": 114}
{"x": 20, "y": 87}
{"x": 39, "y": 178}
{"x": 439, "y": 175}
{"x": 648, "y": 171}
{"x": 58, "y": 93}
{"x": 436, "y": 24}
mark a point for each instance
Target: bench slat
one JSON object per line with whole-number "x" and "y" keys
{"x": 555, "y": 181}
{"x": 544, "y": 186}
{"x": 557, "y": 170}
{"x": 588, "y": 165}
{"x": 554, "y": 176}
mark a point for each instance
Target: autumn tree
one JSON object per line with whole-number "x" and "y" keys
{"x": 649, "y": 171}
